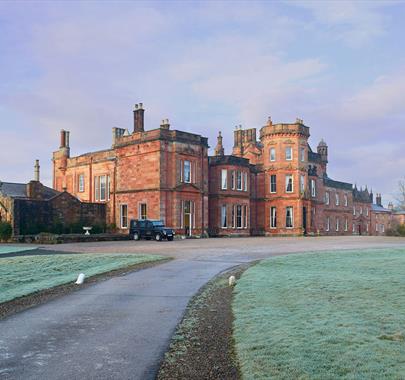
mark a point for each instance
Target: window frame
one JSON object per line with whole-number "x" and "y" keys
{"x": 140, "y": 211}
{"x": 273, "y": 217}
{"x": 313, "y": 188}
{"x": 239, "y": 180}
{"x": 272, "y": 154}
{"x": 327, "y": 198}
{"x": 189, "y": 171}
{"x": 327, "y": 224}
{"x": 287, "y": 183}
{"x": 273, "y": 176}
{"x": 224, "y": 216}
{"x": 81, "y": 183}
{"x": 337, "y": 199}
{"x": 290, "y": 157}
{"x": 224, "y": 179}
{"x": 291, "y": 208}
{"x": 122, "y": 226}
{"x": 302, "y": 154}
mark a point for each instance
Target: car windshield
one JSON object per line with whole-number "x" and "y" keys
{"x": 158, "y": 223}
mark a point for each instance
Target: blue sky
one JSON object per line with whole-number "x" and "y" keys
{"x": 207, "y": 66}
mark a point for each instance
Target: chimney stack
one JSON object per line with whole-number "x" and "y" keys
{"x": 219, "y": 149}
{"x": 139, "y": 118}
{"x": 36, "y": 171}
{"x": 64, "y": 139}
{"x": 165, "y": 124}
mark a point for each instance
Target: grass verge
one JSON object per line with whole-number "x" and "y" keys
{"x": 6, "y": 249}
{"x": 202, "y": 346}
{"x": 24, "y": 275}
{"x": 322, "y": 316}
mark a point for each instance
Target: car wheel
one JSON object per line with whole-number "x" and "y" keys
{"x": 170, "y": 238}
{"x": 158, "y": 237}
{"x": 137, "y": 236}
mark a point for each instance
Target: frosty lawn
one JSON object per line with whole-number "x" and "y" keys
{"x": 12, "y": 249}
{"x": 323, "y": 316}
{"x": 23, "y": 275}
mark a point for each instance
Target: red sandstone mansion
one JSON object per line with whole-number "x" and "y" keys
{"x": 276, "y": 185}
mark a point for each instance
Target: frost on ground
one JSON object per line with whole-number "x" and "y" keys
{"x": 4, "y": 249}
{"x": 23, "y": 275}
{"x": 322, "y": 315}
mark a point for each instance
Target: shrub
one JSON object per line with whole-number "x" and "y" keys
{"x": 401, "y": 230}
{"x": 5, "y": 231}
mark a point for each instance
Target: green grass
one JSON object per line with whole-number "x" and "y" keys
{"x": 323, "y": 316}
{"x": 23, "y": 275}
{"x": 12, "y": 249}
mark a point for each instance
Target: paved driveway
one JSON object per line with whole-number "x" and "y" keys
{"x": 120, "y": 328}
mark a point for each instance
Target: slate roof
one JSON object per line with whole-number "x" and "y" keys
{"x": 336, "y": 184}
{"x": 19, "y": 190}
{"x": 378, "y": 208}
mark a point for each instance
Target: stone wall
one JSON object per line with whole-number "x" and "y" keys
{"x": 59, "y": 213}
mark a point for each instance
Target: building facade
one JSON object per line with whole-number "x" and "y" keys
{"x": 275, "y": 185}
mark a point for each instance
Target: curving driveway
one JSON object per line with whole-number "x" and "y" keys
{"x": 120, "y": 328}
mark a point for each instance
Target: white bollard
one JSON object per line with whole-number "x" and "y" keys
{"x": 80, "y": 279}
{"x": 232, "y": 281}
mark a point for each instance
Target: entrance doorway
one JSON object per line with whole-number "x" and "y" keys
{"x": 188, "y": 217}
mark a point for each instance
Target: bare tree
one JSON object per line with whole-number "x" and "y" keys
{"x": 400, "y": 198}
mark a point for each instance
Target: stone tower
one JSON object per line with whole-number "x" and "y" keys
{"x": 219, "y": 149}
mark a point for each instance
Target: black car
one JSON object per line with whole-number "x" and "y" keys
{"x": 150, "y": 229}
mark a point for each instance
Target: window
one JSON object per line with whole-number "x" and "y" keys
{"x": 103, "y": 187}
{"x": 327, "y": 223}
{"x": 337, "y": 199}
{"x": 289, "y": 217}
{"x": 233, "y": 179}
{"x": 354, "y": 210}
{"x": 224, "y": 179}
{"x": 376, "y": 227}
{"x": 233, "y": 216}
{"x": 239, "y": 216}
{"x": 124, "y": 216}
{"x": 289, "y": 183}
{"x": 187, "y": 171}
{"x": 367, "y": 211}
{"x": 81, "y": 183}
{"x": 273, "y": 217}
{"x": 302, "y": 183}
{"x": 382, "y": 228}
{"x": 346, "y": 224}
{"x": 97, "y": 188}
{"x": 245, "y": 217}
{"x": 337, "y": 224}
{"x": 273, "y": 183}
{"x": 361, "y": 210}
{"x": 272, "y": 154}
{"x": 327, "y": 199}
{"x": 239, "y": 180}
{"x": 313, "y": 188}
{"x": 367, "y": 227}
{"x": 142, "y": 211}
{"x": 354, "y": 228}
{"x": 224, "y": 222}
{"x": 288, "y": 153}
{"x": 302, "y": 153}
{"x": 345, "y": 199}
{"x": 245, "y": 181}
